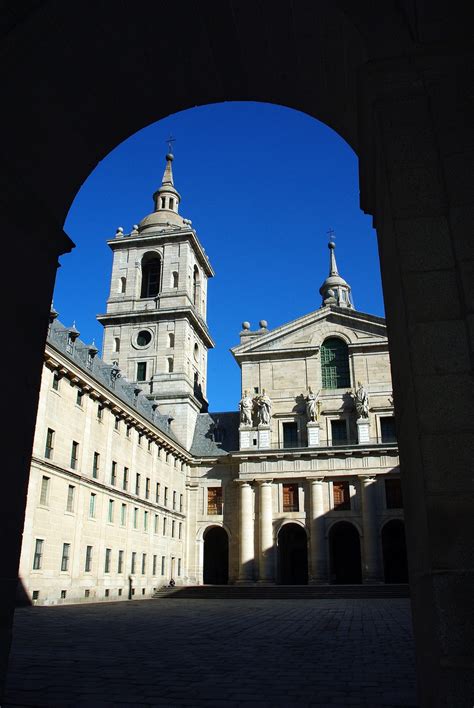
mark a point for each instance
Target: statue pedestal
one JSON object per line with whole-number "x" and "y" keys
{"x": 247, "y": 438}
{"x": 363, "y": 431}
{"x": 264, "y": 437}
{"x": 313, "y": 433}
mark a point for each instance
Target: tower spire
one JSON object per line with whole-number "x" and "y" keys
{"x": 335, "y": 290}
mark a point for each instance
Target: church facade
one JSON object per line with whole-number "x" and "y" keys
{"x": 134, "y": 483}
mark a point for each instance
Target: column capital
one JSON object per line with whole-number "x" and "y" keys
{"x": 367, "y": 478}
{"x": 264, "y": 482}
{"x": 244, "y": 482}
{"x": 315, "y": 480}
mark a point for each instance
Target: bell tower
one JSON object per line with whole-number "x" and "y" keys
{"x": 155, "y": 323}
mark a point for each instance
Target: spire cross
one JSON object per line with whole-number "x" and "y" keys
{"x": 332, "y": 234}
{"x": 170, "y": 142}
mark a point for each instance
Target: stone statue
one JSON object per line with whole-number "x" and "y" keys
{"x": 246, "y": 407}
{"x": 264, "y": 408}
{"x": 312, "y": 405}
{"x": 361, "y": 401}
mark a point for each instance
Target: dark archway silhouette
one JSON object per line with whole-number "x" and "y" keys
{"x": 344, "y": 548}
{"x": 292, "y": 555}
{"x": 216, "y": 556}
{"x": 394, "y": 552}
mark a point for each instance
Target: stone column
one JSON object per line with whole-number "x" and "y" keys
{"x": 246, "y": 559}
{"x": 318, "y": 571}
{"x": 266, "y": 564}
{"x": 371, "y": 569}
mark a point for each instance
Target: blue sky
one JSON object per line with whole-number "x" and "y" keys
{"x": 262, "y": 185}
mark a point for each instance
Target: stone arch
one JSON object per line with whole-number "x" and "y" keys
{"x": 151, "y": 265}
{"x": 394, "y": 551}
{"x": 345, "y": 553}
{"x": 292, "y": 547}
{"x": 216, "y": 555}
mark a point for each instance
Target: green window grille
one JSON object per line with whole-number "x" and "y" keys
{"x": 335, "y": 364}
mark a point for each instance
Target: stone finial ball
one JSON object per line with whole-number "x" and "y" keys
{"x": 245, "y": 325}
{"x": 331, "y": 245}
{"x": 135, "y": 227}
{"x": 170, "y": 157}
{"x": 263, "y": 324}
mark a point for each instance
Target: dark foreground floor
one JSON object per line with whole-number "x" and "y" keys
{"x": 215, "y": 653}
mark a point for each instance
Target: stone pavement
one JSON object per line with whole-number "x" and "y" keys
{"x": 215, "y": 653}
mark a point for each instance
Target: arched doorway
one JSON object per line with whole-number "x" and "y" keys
{"x": 344, "y": 548}
{"x": 292, "y": 555}
{"x": 394, "y": 552}
{"x": 216, "y": 556}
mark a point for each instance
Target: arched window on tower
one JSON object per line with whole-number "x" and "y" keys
{"x": 174, "y": 279}
{"x": 151, "y": 269}
{"x": 196, "y": 287}
{"x": 335, "y": 364}
{"x": 123, "y": 284}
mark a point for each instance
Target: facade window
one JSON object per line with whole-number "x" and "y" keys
{"x": 88, "y": 563}
{"x": 155, "y": 527}
{"x": 339, "y": 432}
{"x": 157, "y": 493}
{"x": 214, "y": 500}
{"x": 63, "y": 594}
{"x": 100, "y": 411}
{"x": 147, "y": 488}
{"x": 171, "y": 203}
{"x": 387, "y": 429}
{"x": 65, "y": 556}
{"x": 180, "y": 530}
{"x": 174, "y": 500}
{"x": 108, "y": 555}
{"x": 116, "y": 344}
{"x": 173, "y": 526}
{"x": 143, "y": 338}
{"x": 123, "y": 515}
{"x": 44, "y": 494}
{"x": 195, "y": 286}
{"x": 341, "y": 495}
{"x": 143, "y": 563}
{"x": 151, "y": 267}
{"x": 92, "y": 505}
{"x": 155, "y": 559}
{"x": 49, "y": 448}
{"x": 181, "y": 502}
{"x": 164, "y": 525}
{"x": 133, "y": 563}
{"x": 74, "y": 454}
{"x": 175, "y": 279}
{"x": 123, "y": 285}
{"x": 117, "y": 423}
{"x": 393, "y": 494}
{"x": 113, "y": 474}
{"x": 171, "y": 340}
{"x": 290, "y": 497}
{"x": 56, "y": 380}
{"x": 166, "y": 496}
{"x": 137, "y": 484}
{"x": 163, "y": 202}
{"x": 170, "y": 364}
{"x": 107, "y": 592}
{"x": 38, "y": 555}
{"x": 140, "y": 435}
{"x": 335, "y": 364}
{"x": 128, "y": 430}
{"x": 110, "y": 516}
{"x": 179, "y": 567}
{"x": 125, "y": 479}
{"x": 79, "y": 397}
{"x": 163, "y": 562}
{"x": 145, "y": 521}
{"x": 120, "y": 562}
{"x": 95, "y": 465}
{"x": 290, "y": 434}
{"x": 135, "y": 517}
{"x": 70, "y": 497}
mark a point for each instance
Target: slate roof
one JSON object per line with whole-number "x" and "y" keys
{"x": 216, "y": 434}
{"x": 103, "y": 373}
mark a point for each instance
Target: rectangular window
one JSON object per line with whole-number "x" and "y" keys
{"x": 147, "y": 488}
{"x": 95, "y": 465}
{"x": 135, "y": 517}
{"x": 157, "y": 493}
{"x": 117, "y": 423}
{"x": 128, "y": 431}
{"x": 74, "y": 454}
{"x": 155, "y": 527}
{"x": 48, "y": 452}
{"x": 149, "y": 444}
{"x": 92, "y": 505}
{"x": 141, "y": 371}
{"x": 44, "y": 495}
{"x": 88, "y": 563}
{"x": 110, "y": 516}
{"x": 123, "y": 515}
{"x": 290, "y": 434}
{"x": 214, "y": 500}
{"x": 173, "y": 526}
{"x": 70, "y": 498}
{"x": 393, "y": 494}
{"x": 143, "y": 563}
{"x": 387, "y": 429}
{"x": 133, "y": 563}
{"x": 79, "y": 397}
{"x": 56, "y": 381}
{"x": 140, "y": 435}
{"x": 108, "y": 555}
{"x": 180, "y": 529}
{"x": 100, "y": 411}
{"x": 145, "y": 521}
{"x": 166, "y": 496}
{"x": 181, "y": 502}
{"x": 38, "y": 555}
{"x": 155, "y": 559}
{"x": 113, "y": 474}
{"x": 164, "y": 525}
{"x": 120, "y": 562}
{"x": 290, "y": 497}
{"x": 65, "y": 556}
{"x": 174, "y": 500}
{"x": 342, "y": 499}
{"x": 179, "y": 567}
{"x": 125, "y": 479}
{"x": 338, "y": 432}
{"x": 163, "y": 559}
{"x": 137, "y": 484}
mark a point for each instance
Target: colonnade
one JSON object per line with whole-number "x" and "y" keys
{"x": 257, "y": 546}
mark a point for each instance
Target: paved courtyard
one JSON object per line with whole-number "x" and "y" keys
{"x": 215, "y": 653}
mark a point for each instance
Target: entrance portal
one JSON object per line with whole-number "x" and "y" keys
{"x": 216, "y": 556}
{"x": 344, "y": 545}
{"x": 293, "y": 555}
{"x": 394, "y": 552}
